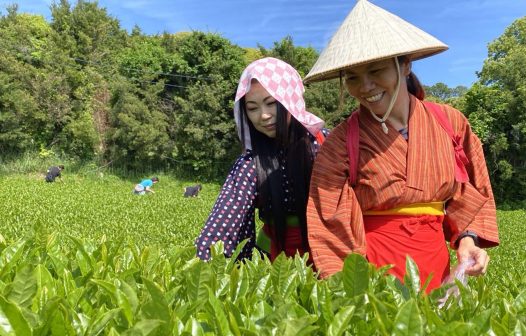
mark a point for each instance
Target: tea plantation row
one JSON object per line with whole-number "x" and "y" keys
{"x": 86, "y": 257}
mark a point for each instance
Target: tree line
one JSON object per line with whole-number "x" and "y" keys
{"x": 82, "y": 87}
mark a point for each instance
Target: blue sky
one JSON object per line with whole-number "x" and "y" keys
{"x": 467, "y": 26}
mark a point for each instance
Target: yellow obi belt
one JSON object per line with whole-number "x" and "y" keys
{"x": 432, "y": 208}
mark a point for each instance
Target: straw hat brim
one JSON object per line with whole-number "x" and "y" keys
{"x": 368, "y": 34}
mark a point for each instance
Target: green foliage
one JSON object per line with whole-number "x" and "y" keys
{"x": 442, "y": 93}
{"x": 93, "y": 259}
{"x": 89, "y": 290}
{"x": 84, "y": 88}
{"x": 252, "y": 54}
{"x": 138, "y": 134}
{"x": 330, "y": 101}
{"x": 301, "y": 58}
{"x": 496, "y": 107}
{"x": 205, "y": 129}
{"x": 87, "y": 30}
{"x": 45, "y": 101}
{"x": 145, "y": 60}
{"x": 93, "y": 205}
{"x": 21, "y": 119}
{"x": 202, "y": 123}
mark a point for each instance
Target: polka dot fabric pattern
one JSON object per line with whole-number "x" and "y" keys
{"x": 232, "y": 219}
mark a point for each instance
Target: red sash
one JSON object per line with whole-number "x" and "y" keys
{"x": 391, "y": 237}
{"x": 293, "y": 243}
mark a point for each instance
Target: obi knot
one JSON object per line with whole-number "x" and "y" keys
{"x": 411, "y": 225}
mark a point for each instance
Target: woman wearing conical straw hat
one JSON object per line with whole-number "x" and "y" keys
{"x": 401, "y": 176}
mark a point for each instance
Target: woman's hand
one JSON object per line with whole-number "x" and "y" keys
{"x": 467, "y": 249}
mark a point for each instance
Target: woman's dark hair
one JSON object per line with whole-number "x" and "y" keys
{"x": 292, "y": 142}
{"x": 155, "y": 179}
{"x": 413, "y": 84}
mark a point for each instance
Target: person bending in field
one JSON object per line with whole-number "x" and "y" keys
{"x": 192, "y": 191}
{"x": 54, "y": 172}
{"x": 145, "y": 186}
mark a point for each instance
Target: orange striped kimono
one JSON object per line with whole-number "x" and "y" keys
{"x": 393, "y": 172}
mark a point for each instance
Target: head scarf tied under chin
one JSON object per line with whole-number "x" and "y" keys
{"x": 283, "y": 83}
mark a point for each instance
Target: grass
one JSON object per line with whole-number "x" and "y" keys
{"x": 101, "y": 206}
{"x": 133, "y": 288}
{"x": 95, "y": 206}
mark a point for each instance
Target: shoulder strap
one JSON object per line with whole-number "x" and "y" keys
{"x": 440, "y": 116}
{"x": 353, "y": 144}
{"x": 461, "y": 160}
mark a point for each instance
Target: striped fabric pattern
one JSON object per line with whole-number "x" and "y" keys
{"x": 393, "y": 172}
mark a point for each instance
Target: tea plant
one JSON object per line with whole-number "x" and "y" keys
{"x": 86, "y": 257}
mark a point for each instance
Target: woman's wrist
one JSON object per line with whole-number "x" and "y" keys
{"x": 468, "y": 234}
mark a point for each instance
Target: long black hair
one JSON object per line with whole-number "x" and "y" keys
{"x": 292, "y": 142}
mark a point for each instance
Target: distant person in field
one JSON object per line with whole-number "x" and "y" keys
{"x": 54, "y": 172}
{"x": 145, "y": 186}
{"x": 192, "y": 191}
{"x": 280, "y": 139}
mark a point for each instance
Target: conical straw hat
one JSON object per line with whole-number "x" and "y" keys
{"x": 370, "y": 33}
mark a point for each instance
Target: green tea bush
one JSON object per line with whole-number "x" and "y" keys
{"x": 86, "y": 257}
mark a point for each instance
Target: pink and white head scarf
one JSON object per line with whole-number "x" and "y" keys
{"x": 283, "y": 83}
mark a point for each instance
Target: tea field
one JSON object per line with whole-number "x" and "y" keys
{"x": 94, "y": 207}
{"x": 86, "y": 257}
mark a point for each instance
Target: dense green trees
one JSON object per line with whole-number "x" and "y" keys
{"x": 17, "y": 120}
{"x": 442, "y": 92}
{"x": 202, "y": 118}
{"x": 86, "y": 89}
{"x": 50, "y": 78}
{"x": 323, "y": 99}
{"x": 496, "y": 106}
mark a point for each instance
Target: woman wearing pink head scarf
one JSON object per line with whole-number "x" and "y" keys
{"x": 280, "y": 140}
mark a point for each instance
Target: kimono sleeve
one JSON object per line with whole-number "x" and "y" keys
{"x": 232, "y": 217}
{"x": 334, "y": 217}
{"x": 472, "y": 207}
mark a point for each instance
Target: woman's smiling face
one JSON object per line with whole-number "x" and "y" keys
{"x": 374, "y": 84}
{"x": 261, "y": 109}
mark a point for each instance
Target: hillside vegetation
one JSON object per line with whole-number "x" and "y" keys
{"x": 82, "y": 88}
